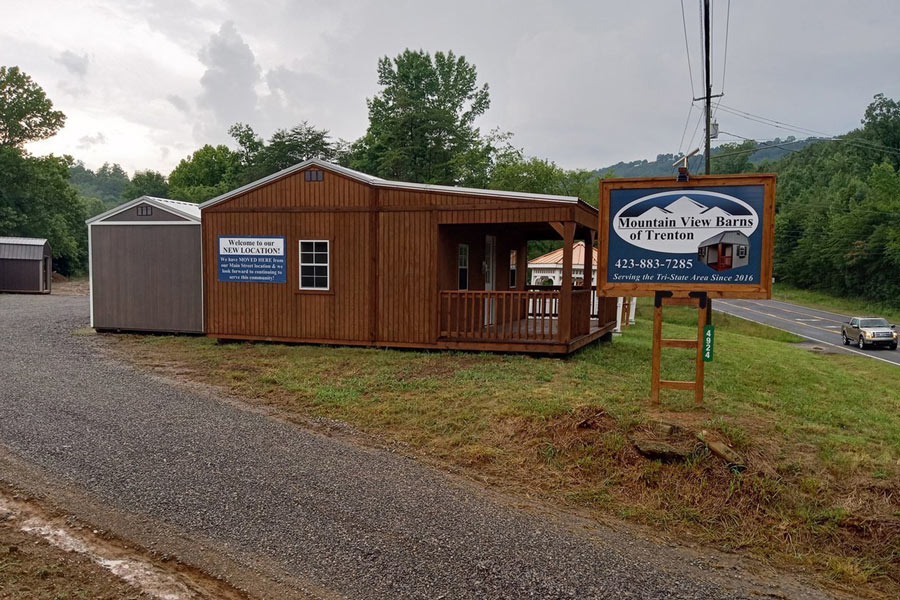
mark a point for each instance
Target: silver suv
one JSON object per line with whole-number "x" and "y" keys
{"x": 869, "y": 331}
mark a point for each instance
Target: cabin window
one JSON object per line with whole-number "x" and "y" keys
{"x": 315, "y": 264}
{"x": 314, "y": 175}
{"x": 512, "y": 269}
{"x": 742, "y": 251}
{"x": 463, "y": 266}
{"x": 144, "y": 210}
{"x": 701, "y": 252}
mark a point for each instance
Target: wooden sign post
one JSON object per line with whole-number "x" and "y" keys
{"x": 685, "y": 242}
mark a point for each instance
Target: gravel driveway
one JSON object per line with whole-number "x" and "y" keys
{"x": 360, "y": 522}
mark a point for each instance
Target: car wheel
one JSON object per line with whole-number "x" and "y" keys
{"x": 862, "y": 343}
{"x": 844, "y": 338}
{"x": 893, "y": 346}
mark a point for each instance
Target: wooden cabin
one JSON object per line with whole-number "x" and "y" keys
{"x": 323, "y": 254}
{"x": 726, "y": 250}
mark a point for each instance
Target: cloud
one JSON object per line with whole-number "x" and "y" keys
{"x": 88, "y": 141}
{"x": 228, "y": 86}
{"x": 75, "y": 64}
{"x": 180, "y": 103}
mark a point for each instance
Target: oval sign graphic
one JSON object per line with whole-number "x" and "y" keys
{"x": 679, "y": 221}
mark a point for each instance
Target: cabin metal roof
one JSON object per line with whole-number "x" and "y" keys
{"x": 386, "y": 183}
{"x": 555, "y": 257}
{"x": 21, "y": 248}
{"x": 188, "y": 210}
{"x": 719, "y": 237}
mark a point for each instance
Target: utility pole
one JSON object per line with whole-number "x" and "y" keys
{"x": 708, "y": 80}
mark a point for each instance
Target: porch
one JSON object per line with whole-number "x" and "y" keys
{"x": 484, "y": 302}
{"x": 526, "y": 320}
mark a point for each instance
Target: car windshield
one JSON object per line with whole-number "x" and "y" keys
{"x": 873, "y": 323}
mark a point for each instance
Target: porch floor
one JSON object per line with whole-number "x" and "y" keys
{"x": 530, "y": 335}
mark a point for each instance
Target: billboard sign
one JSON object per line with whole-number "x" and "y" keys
{"x": 250, "y": 259}
{"x": 711, "y": 234}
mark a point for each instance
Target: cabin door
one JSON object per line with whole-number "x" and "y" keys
{"x": 490, "y": 276}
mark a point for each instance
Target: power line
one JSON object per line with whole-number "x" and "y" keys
{"x": 684, "y": 132}
{"x": 783, "y": 124}
{"x": 696, "y": 129}
{"x": 762, "y": 145}
{"x": 688, "y": 53}
{"x": 834, "y": 139}
{"x": 806, "y": 131}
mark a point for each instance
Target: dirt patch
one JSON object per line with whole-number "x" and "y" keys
{"x": 70, "y": 287}
{"x": 48, "y": 556}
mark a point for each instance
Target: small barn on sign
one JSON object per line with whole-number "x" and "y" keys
{"x": 726, "y": 250}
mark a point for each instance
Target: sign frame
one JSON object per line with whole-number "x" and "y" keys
{"x": 762, "y": 290}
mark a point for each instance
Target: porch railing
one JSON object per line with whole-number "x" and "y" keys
{"x": 499, "y": 315}
{"x": 596, "y": 303}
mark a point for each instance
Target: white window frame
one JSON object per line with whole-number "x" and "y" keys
{"x": 460, "y": 265}
{"x": 327, "y": 265}
{"x": 742, "y": 251}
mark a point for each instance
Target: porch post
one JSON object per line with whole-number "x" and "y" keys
{"x": 565, "y": 293}
{"x": 522, "y": 265}
{"x": 588, "y": 259}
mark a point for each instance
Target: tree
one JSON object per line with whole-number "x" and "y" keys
{"x": 249, "y": 144}
{"x": 515, "y": 172}
{"x": 838, "y": 222}
{"x": 26, "y": 113}
{"x": 107, "y": 184}
{"x": 146, "y": 183}
{"x": 881, "y": 126}
{"x": 733, "y": 158}
{"x": 422, "y": 122}
{"x": 288, "y": 147}
{"x": 37, "y": 201}
{"x": 208, "y": 172}
{"x": 285, "y": 148}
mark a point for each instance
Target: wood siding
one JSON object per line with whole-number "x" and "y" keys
{"x": 19, "y": 275}
{"x": 146, "y": 277}
{"x": 335, "y": 209}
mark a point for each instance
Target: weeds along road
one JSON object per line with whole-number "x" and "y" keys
{"x": 811, "y": 323}
{"x": 215, "y": 483}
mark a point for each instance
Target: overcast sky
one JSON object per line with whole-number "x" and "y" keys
{"x": 588, "y": 83}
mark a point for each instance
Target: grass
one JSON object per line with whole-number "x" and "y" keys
{"x": 845, "y": 305}
{"x": 821, "y": 491}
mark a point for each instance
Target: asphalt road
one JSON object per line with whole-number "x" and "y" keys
{"x": 353, "y": 521}
{"x": 817, "y": 325}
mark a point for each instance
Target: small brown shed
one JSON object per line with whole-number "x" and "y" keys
{"x": 26, "y": 265}
{"x": 145, "y": 267}
{"x": 324, "y": 254}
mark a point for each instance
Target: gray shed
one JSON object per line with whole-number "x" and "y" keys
{"x": 145, "y": 267}
{"x": 26, "y": 265}
{"x": 726, "y": 250}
